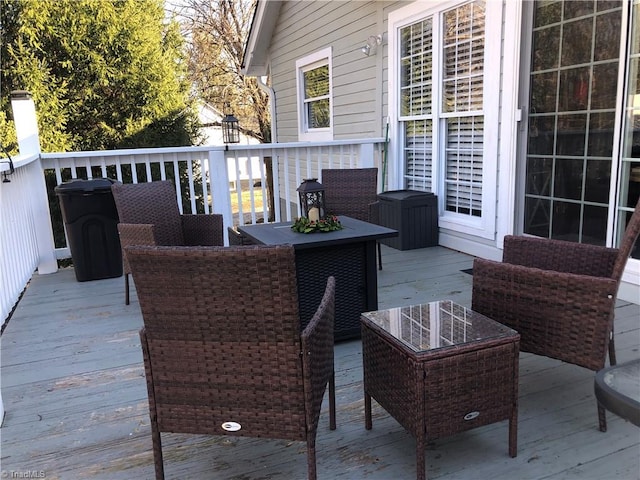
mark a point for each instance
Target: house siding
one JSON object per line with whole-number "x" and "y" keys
{"x": 357, "y": 101}
{"x": 360, "y": 83}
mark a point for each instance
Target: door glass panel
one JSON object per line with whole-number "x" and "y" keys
{"x": 571, "y": 119}
{"x": 578, "y": 8}
{"x": 541, "y": 136}
{"x": 607, "y": 36}
{"x": 576, "y": 41}
{"x": 603, "y": 95}
{"x": 571, "y": 134}
{"x": 544, "y": 86}
{"x": 567, "y": 181}
{"x": 597, "y": 181}
{"x": 566, "y": 221}
{"x": 546, "y": 44}
{"x": 595, "y": 228}
{"x": 601, "y": 134}
{"x": 539, "y": 182}
{"x": 574, "y": 89}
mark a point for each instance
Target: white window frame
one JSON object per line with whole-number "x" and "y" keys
{"x": 485, "y": 225}
{"x": 314, "y": 60}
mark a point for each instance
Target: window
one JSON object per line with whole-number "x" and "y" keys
{"x": 315, "y": 106}
{"x": 443, "y": 107}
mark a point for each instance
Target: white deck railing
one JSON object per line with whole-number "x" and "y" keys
{"x": 25, "y": 232}
{"x": 208, "y": 180}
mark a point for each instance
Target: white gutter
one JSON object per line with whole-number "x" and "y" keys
{"x": 272, "y": 107}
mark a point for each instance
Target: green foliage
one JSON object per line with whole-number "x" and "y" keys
{"x": 328, "y": 224}
{"x": 103, "y": 74}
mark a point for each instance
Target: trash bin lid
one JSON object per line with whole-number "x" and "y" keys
{"x": 81, "y": 186}
{"x": 403, "y": 194}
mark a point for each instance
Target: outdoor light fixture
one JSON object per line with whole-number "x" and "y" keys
{"x": 372, "y": 45}
{"x": 11, "y": 167}
{"x": 230, "y": 129}
{"x": 311, "y": 199}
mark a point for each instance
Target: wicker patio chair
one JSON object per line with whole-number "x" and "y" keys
{"x": 560, "y": 296}
{"x": 353, "y": 192}
{"x": 222, "y": 344}
{"x": 149, "y": 215}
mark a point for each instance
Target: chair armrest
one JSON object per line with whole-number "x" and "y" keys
{"x": 136, "y": 234}
{"x": 374, "y": 212}
{"x": 547, "y": 308}
{"x": 317, "y": 353}
{"x": 559, "y": 256}
{"x": 202, "y": 229}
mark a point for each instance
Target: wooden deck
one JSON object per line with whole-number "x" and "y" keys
{"x": 74, "y": 391}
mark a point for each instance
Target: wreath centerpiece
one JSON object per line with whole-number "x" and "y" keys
{"x": 330, "y": 223}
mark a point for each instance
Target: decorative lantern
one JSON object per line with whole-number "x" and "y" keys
{"x": 311, "y": 199}
{"x": 230, "y": 129}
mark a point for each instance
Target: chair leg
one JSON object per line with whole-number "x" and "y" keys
{"x": 332, "y": 402}
{"x": 157, "y": 450}
{"x": 126, "y": 289}
{"x": 612, "y": 350}
{"x": 379, "y": 256}
{"x": 602, "y": 418}
{"x": 311, "y": 455}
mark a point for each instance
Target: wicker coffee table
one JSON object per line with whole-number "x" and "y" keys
{"x": 439, "y": 369}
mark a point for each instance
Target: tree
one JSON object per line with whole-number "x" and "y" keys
{"x": 216, "y": 33}
{"x": 103, "y": 74}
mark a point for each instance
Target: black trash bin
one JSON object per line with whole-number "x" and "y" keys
{"x": 414, "y": 214}
{"x": 91, "y": 222}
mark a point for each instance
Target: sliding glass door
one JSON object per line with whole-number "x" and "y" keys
{"x": 572, "y": 117}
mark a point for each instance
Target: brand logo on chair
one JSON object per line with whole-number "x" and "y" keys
{"x": 231, "y": 426}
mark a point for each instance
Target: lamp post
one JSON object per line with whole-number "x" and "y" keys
{"x": 311, "y": 199}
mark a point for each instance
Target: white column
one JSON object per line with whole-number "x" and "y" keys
{"x": 24, "y": 115}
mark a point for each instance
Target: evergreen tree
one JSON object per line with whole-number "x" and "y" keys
{"x": 103, "y": 74}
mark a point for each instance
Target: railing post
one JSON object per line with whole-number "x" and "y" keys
{"x": 24, "y": 115}
{"x": 220, "y": 187}
{"x": 367, "y": 159}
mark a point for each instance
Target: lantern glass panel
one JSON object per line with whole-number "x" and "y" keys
{"x": 230, "y": 129}
{"x": 312, "y": 199}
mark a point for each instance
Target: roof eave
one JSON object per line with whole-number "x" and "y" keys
{"x": 256, "y": 51}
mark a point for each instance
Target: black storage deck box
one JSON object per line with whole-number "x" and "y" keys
{"x": 413, "y": 214}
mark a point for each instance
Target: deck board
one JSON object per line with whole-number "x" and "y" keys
{"x": 73, "y": 386}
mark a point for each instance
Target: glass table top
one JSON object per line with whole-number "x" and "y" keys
{"x": 624, "y": 379}
{"x": 436, "y": 325}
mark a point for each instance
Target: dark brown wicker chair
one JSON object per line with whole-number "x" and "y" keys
{"x": 560, "y": 296}
{"x": 353, "y": 192}
{"x": 149, "y": 215}
{"x": 222, "y": 346}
